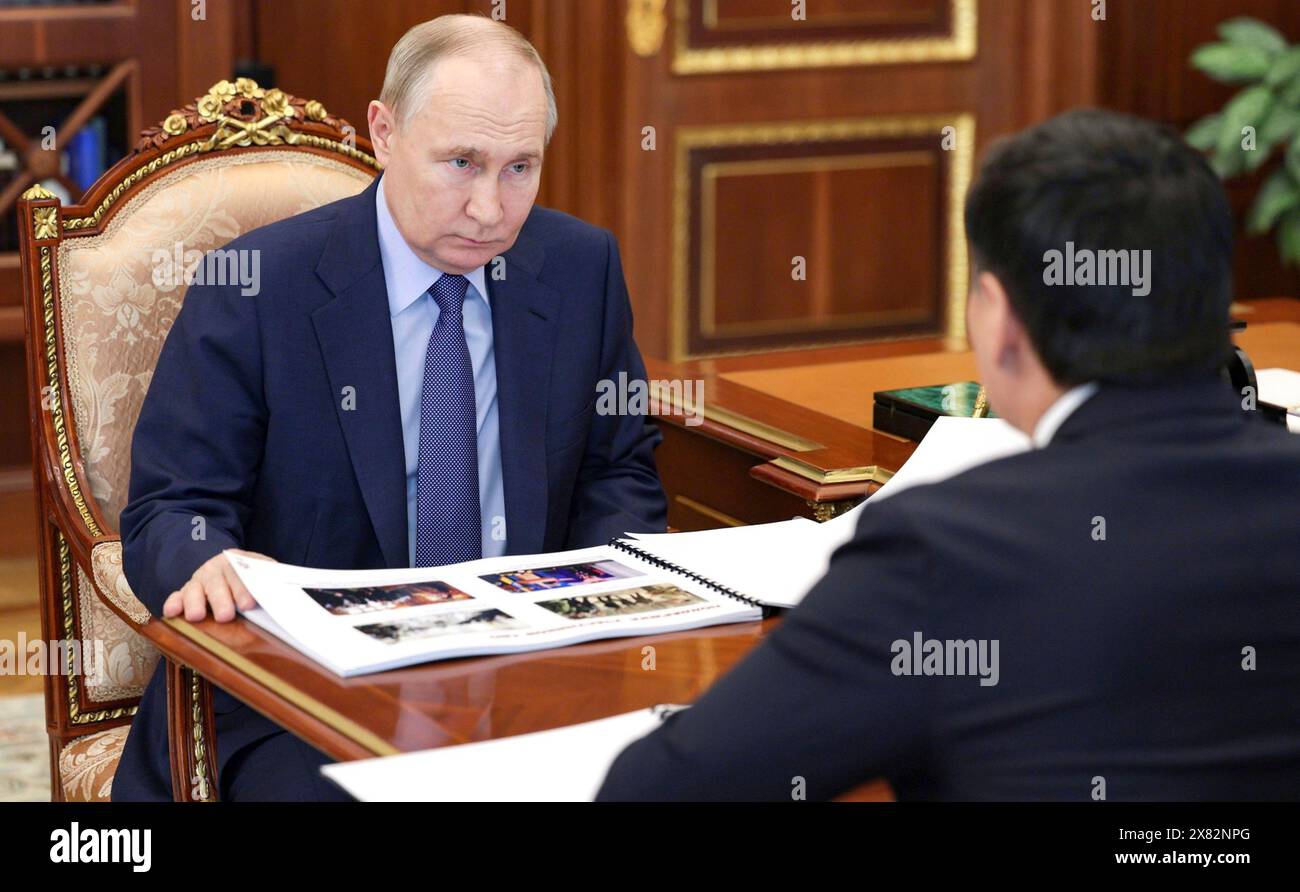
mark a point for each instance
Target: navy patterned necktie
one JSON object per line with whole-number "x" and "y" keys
{"x": 448, "y": 529}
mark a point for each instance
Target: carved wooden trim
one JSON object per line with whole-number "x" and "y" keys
{"x": 229, "y": 116}
{"x": 191, "y": 736}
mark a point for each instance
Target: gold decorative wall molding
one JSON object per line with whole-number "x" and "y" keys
{"x": 714, "y": 22}
{"x": 646, "y": 23}
{"x": 961, "y": 159}
{"x": 959, "y": 45}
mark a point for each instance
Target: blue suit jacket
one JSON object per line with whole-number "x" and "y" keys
{"x": 244, "y": 424}
{"x": 1119, "y": 658}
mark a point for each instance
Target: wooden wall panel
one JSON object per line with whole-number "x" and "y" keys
{"x": 336, "y": 51}
{"x": 740, "y": 22}
{"x": 618, "y": 71}
{"x": 205, "y": 48}
{"x": 782, "y": 240}
{"x": 751, "y": 35}
{"x": 583, "y": 44}
{"x": 1026, "y": 60}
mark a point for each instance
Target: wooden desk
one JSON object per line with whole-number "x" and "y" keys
{"x": 453, "y": 701}
{"x": 821, "y": 396}
{"x": 460, "y": 701}
{"x": 790, "y": 433}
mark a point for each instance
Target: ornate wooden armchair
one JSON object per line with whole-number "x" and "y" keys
{"x": 238, "y": 158}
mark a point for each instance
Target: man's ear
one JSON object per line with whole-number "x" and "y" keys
{"x": 990, "y": 291}
{"x": 383, "y": 126}
{"x": 1014, "y": 349}
{"x": 1000, "y": 324}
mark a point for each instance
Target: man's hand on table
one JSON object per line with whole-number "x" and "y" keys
{"x": 214, "y": 584}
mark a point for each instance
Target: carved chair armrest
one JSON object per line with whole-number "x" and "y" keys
{"x": 110, "y": 581}
{"x": 190, "y": 731}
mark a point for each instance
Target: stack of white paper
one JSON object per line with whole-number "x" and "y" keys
{"x": 1281, "y": 387}
{"x": 564, "y": 765}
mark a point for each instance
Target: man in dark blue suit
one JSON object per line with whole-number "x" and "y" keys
{"x": 414, "y": 384}
{"x": 1111, "y": 615}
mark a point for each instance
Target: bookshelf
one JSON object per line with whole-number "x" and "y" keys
{"x": 89, "y": 135}
{"x": 79, "y": 80}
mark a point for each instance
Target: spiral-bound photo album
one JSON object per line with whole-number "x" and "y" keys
{"x": 359, "y": 621}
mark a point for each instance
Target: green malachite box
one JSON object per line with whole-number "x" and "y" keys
{"x": 908, "y": 413}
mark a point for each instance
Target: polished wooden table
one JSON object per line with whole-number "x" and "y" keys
{"x": 812, "y": 407}
{"x": 790, "y": 433}
{"x": 453, "y": 701}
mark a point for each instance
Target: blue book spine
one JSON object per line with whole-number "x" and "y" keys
{"x": 86, "y": 153}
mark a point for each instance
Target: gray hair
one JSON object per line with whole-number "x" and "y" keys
{"x": 411, "y": 64}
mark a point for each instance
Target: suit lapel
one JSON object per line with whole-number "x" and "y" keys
{"x": 356, "y": 342}
{"x": 523, "y": 317}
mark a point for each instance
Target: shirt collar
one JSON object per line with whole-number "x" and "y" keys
{"x": 405, "y": 274}
{"x": 1059, "y": 411}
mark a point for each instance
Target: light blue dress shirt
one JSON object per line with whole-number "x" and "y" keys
{"x": 413, "y": 315}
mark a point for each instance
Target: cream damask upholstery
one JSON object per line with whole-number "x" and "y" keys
{"x": 106, "y": 563}
{"x": 114, "y": 321}
{"x": 122, "y": 668}
{"x": 115, "y": 318}
{"x": 87, "y": 764}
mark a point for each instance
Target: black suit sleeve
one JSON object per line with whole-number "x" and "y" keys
{"x": 816, "y": 700}
{"x": 618, "y": 489}
{"x": 197, "y": 445}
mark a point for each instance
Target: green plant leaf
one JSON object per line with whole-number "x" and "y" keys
{"x": 1278, "y": 128}
{"x": 1289, "y": 93}
{"x": 1288, "y": 238}
{"x": 1204, "y": 134}
{"x": 1227, "y": 167}
{"x": 1285, "y": 69}
{"x": 1248, "y": 32}
{"x": 1282, "y": 125}
{"x": 1249, "y": 108}
{"x": 1232, "y": 64}
{"x": 1278, "y": 195}
{"x": 1292, "y": 160}
{"x": 1254, "y": 159}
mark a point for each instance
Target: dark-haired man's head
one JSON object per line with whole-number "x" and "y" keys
{"x": 1101, "y": 249}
